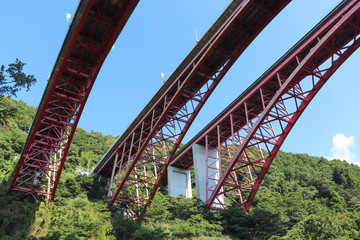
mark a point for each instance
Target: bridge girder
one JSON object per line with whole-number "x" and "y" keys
{"x": 91, "y": 35}
{"x": 249, "y": 133}
{"x": 138, "y": 161}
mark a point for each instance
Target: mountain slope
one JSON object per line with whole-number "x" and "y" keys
{"x": 301, "y": 197}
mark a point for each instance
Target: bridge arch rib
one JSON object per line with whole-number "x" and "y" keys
{"x": 138, "y": 160}
{"x": 249, "y": 133}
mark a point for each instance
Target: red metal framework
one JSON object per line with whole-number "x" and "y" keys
{"x": 249, "y": 133}
{"x": 95, "y": 27}
{"x": 138, "y": 161}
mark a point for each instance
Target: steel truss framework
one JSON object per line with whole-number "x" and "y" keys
{"x": 249, "y": 134}
{"x": 92, "y": 33}
{"x": 137, "y": 162}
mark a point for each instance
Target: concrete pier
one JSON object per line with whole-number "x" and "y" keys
{"x": 179, "y": 182}
{"x": 200, "y": 165}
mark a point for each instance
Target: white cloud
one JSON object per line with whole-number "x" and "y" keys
{"x": 342, "y": 148}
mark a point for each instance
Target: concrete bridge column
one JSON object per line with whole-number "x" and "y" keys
{"x": 201, "y": 162}
{"x": 179, "y": 182}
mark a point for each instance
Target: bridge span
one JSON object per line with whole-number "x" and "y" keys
{"x": 92, "y": 33}
{"x": 242, "y": 141}
{"x": 138, "y": 161}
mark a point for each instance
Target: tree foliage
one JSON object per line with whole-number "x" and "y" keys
{"x": 301, "y": 197}
{"x": 12, "y": 80}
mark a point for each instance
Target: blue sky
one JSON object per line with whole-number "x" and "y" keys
{"x": 156, "y": 39}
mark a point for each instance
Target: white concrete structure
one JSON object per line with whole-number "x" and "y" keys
{"x": 179, "y": 182}
{"x": 200, "y": 165}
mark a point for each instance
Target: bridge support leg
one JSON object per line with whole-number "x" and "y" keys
{"x": 179, "y": 182}
{"x": 207, "y": 168}
{"x": 112, "y": 174}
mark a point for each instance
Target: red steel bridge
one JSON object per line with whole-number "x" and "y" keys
{"x": 246, "y": 135}
{"x": 137, "y": 162}
{"x": 93, "y": 31}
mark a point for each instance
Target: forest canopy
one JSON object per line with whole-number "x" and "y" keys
{"x": 301, "y": 197}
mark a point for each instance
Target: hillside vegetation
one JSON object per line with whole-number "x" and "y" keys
{"x": 302, "y": 197}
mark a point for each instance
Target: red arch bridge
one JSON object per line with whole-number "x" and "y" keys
{"x": 232, "y": 154}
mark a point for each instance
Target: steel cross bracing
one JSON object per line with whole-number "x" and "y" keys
{"x": 138, "y": 161}
{"x": 249, "y": 134}
{"x": 92, "y": 33}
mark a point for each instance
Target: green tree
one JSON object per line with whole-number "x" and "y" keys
{"x": 237, "y": 223}
{"x": 324, "y": 227}
{"x": 12, "y": 80}
{"x": 337, "y": 202}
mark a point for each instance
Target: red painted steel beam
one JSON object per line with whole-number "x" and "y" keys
{"x": 93, "y": 31}
{"x": 250, "y": 132}
{"x": 138, "y": 161}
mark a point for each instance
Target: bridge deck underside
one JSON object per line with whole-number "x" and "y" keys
{"x": 234, "y": 41}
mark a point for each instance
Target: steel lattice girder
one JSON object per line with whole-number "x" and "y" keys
{"x": 138, "y": 161}
{"x": 250, "y": 132}
{"x": 93, "y": 31}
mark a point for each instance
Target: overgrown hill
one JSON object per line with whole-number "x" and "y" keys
{"x": 302, "y": 197}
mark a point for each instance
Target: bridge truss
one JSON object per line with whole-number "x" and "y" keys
{"x": 138, "y": 161}
{"x": 246, "y": 136}
{"x": 249, "y": 133}
{"x": 93, "y": 31}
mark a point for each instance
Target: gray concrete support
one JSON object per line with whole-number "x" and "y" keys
{"x": 200, "y": 165}
{"x": 179, "y": 182}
